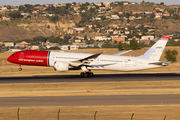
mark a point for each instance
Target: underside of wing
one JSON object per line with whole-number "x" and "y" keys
{"x": 85, "y": 61}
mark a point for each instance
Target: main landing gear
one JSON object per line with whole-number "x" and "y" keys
{"x": 87, "y": 74}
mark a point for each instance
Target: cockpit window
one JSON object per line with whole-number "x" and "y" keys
{"x": 13, "y": 54}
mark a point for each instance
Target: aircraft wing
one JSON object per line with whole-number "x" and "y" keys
{"x": 161, "y": 63}
{"x": 120, "y": 53}
{"x": 85, "y": 61}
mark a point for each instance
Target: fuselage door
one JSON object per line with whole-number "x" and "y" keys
{"x": 53, "y": 57}
{"x": 134, "y": 62}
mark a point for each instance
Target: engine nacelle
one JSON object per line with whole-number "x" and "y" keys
{"x": 61, "y": 66}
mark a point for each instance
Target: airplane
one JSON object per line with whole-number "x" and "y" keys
{"x": 65, "y": 61}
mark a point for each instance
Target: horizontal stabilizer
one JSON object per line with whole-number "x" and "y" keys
{"x": 161, "y": 63}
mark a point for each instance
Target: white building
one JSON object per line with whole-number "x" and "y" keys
{"x": 102, "y": 38}
{"x": 115, "y": 17}
{"x": 148, "y": 37}
{"x": 69, "y": 47}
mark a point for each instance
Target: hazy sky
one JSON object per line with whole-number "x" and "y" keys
{"x": 21, "y": 2}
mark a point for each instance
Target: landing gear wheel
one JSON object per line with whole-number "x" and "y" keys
{"x": 20, "y": 69}
{"x": 86, "y": 74}
{"x": 91, "y": 74}
{"x": 82, "y": 74}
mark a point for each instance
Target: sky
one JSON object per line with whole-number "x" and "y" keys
{"x": 21, "y": 2}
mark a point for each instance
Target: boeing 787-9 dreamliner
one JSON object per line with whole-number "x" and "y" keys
{"x": 65, "y": 61}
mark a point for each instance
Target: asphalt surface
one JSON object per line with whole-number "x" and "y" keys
{"x": 96, "y": 78}
{"x": 90, "y": 100}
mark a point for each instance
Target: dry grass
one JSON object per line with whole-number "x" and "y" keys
{"x": 95, "y": 88}
{"x": 141, "y": 112}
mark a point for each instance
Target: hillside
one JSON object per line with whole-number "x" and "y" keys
{"x": 135, "y": 8}
{"x": 37, "y": 25}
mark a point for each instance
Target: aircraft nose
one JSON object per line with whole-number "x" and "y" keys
{"x": 9, "y": 59}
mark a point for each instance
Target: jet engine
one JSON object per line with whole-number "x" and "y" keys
{"x": 61, "y": 66}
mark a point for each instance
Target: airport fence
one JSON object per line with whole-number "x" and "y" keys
{"x": 58, "y": 115}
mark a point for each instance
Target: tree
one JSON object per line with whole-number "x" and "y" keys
{"x": 125, "y": 46}
{"x": 54, "y": 18}
{"x": 107, "y": 45}
{"x": 21, "y": 8}
{"x": 134, "y": 44}
{"x": 171, "y": 55}
{"x": 162, "y": 3}
{"x": 15, "y": 14}
{"x": 120, "y": 46}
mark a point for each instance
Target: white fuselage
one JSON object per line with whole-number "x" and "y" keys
{"x": 104, "y": 62}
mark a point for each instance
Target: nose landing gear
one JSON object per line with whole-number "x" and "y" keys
{"x": 20, "y": 69}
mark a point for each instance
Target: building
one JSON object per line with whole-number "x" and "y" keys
{"x": 125, "y": 3}
{"x": 35, "y": 47}
{"x": 127, "y": 32}
{"x": 133, "y": 3}
{"x": 89, "y": 26}
{"x": 102, "y": 38}
{"x": 158, "y": 15}
{"x": 69, "y": 47}
{"x": 40, "y": 7}
{"x": 115, "y": 17}
{"x": 118, "y": 39}
{"x": 120, "y": 13}
{"x": 149, "y": 37}
{"x": 91, "y": 7}
{"x": 106, "y": 4}
{"x": 77, "y": 8}
{"x": 71, "y": 31}
{"x": 56, "y": 5}
{"x": 5, "y": 18}
{"x": 49, "y": 45}
{"x": 98, "y": 4}
{"x": 148, "y": 12}
{"x": 116, "y": 32}
{"x": 23, "y": 44}
{"x": 9, "y": 44}
{"x": 79, "y": 29}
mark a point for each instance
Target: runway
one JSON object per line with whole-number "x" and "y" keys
{"x": 96, "y": 78}
{"x": 90, "y": 100}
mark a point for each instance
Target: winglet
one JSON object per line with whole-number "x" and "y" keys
{"x": 165, "y": 37}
